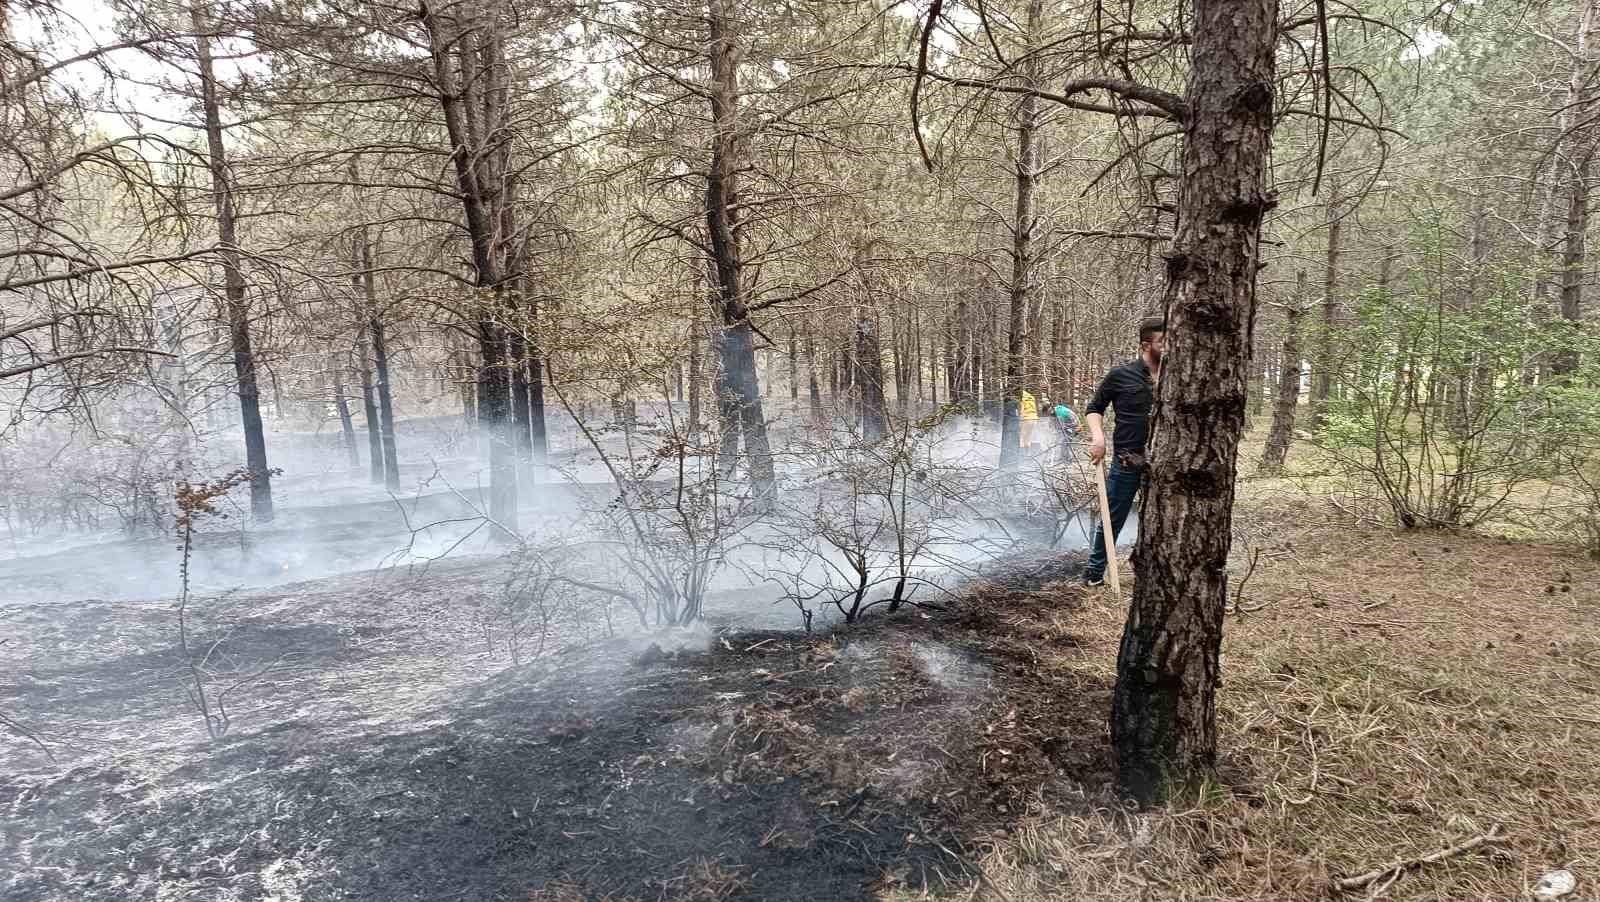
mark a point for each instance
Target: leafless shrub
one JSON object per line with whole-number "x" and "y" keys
{"x": 1583, "y": 477}
{"x": 194, "y": 503}
{"x": 675, "y": 517}
{"x": 879, "y": 520}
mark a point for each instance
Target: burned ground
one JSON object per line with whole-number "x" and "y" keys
{"x": 385, "y": 754}
{"x": 1385, "y": 695}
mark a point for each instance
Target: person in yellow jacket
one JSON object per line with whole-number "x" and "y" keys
{"x": 1030, "y": 415}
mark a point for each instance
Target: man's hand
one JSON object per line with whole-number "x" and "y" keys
{"x": 1097, "y": 450}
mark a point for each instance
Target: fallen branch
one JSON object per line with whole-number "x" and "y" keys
{"x": 27, "y": 734}
{"x": 1395, "y": 869}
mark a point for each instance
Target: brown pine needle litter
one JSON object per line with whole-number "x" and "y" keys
{"x": 1404, "y": 716}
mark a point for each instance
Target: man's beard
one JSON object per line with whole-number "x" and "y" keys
{"x": 1155, "y": 355}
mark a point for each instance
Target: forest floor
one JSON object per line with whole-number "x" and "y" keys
{"x": 1385, "y": 695}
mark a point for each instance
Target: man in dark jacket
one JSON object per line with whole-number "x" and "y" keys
{"x": 1127, "y": 389}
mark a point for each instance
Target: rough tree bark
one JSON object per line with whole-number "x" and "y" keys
{"x": 737, "y": 346}
{"x": 1021, "y": 250}
{"x": 238, "y": 308}
{"x": 1163, "y": 720}
{"x": 1288, "y": 395}
{"x": 474, "y": 118}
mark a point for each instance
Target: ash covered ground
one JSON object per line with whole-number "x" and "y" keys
{"x": 387, "y": 739}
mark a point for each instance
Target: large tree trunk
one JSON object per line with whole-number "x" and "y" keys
{"x": 494, "y": 413}
{"x": 474, "y": 109}
{"x": 737, "y": 347}
{"x": 244, "y": 362}
{"x": 1288, "y": 398}
{"x": 1163, "y": 720}
{"x": 1021, "y": 253}
{"x": 520, "y": 406}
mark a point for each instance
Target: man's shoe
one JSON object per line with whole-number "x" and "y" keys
{"x": 1093, "y": 581}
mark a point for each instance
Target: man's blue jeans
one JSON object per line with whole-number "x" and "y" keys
{"x": 1122, "y": 487}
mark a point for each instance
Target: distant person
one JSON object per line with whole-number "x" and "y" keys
{"x": 1127, "y": 389}
{"x": 1067, "y": 424}
{"x": 1030, "y": 416}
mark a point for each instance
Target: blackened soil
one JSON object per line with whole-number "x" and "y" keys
{"x": 377, "y": 751}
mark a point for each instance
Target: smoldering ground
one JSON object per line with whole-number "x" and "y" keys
{"x": 385, "y": 744}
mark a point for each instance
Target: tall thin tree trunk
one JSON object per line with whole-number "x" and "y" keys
{"x": 696, "y": 376}
{"x": 869, "y": 373}
{"x": 1163, "y": 720}
{"x": 380, "y": 359}
{"x": 1461, "y": 408}
{"x": 1058, "y": 355}
{"x": 244, "y": 362}
{"x": 1322, "y": 386}
{"x": 916, "y": 350}
{"x": 520, "y": 407}
{"x": 1021, "y": 253}
{"x": 1288, "y": 396}
{"x": 370, "y": 405}
{"x": 380, "y": 354}
{"x": 346, "y": 426}
{"x": 1578, "y": 118}
{"x": 794, "y": 371}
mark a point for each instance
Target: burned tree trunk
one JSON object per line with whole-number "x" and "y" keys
{"x": 238, "y": 308}
{"x": 380, "y": 360}
{"x": 737, "y": 345}
{"x": 869, "y": 375}
{"x": 467, "y": 60}
{"x": 814, "y": 389}
{"x": 346, "y": 425}
{"x": 1021, "y": 254}
{"x": 370, "y": 406}
{"x": 794, "y": 371}
{"x": 380, "y": 355}
{"x": 696, "y": 377}
{"x": 538, "y": 426}
{"x": 1288, "y": 398}
{"x": 521, "y": 405}
{"x": 1163, "y": 720}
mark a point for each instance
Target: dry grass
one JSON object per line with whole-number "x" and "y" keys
{"x": 1392, "y": 695}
